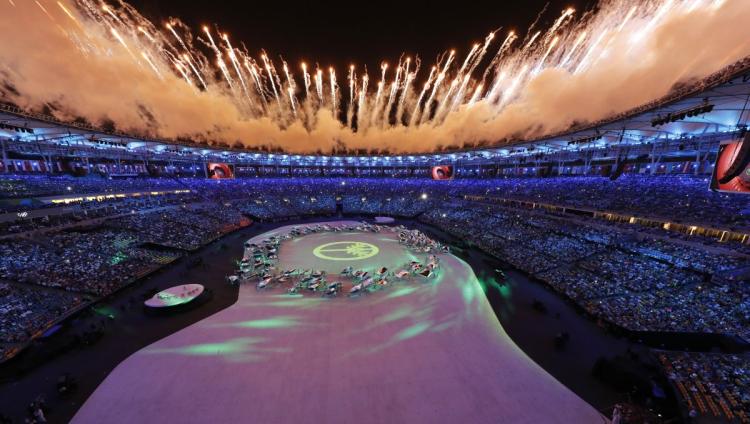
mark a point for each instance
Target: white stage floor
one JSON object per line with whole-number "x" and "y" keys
{"x": 414, "y": 353}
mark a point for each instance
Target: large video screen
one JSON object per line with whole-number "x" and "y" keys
{"x": 219, "y": 171}
{"x": 442, "y": 172}
{"x": 732, "y": 173}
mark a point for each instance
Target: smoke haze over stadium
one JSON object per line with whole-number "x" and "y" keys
{"x": 111, "y": 65}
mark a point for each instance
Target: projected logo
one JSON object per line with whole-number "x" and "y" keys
{"x": 346, "y": 251}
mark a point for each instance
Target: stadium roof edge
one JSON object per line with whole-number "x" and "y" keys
{"x": 692, "y": 91}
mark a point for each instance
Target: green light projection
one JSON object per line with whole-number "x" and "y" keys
{"x": 413, "y": 331}
{"x": 346, "y": 251}
{"x": 266, "y": 323}
{"x": 240, "y": 349}
{"x": 402, "y": 291}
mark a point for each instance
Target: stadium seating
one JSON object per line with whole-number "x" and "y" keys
{"x": 634, "y": 278}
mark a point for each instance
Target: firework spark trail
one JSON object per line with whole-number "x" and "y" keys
{"x": 662, "y": 11}
{"x": 237, "y": 69}
{"x": 124, "y": 44}
{"x": 469, "y": 58}
{"x": 528, "y": 45}
{"x": 376, "y": 106}
{"x": 443, "y": 103}
{"x": 352, "y": 83}
{"x": 251, "y": 68}
{"x": 290, "y": 91}
{"x": 83, "y": 47}
{"x": 508, "y": 94}
{"x": 436, "y": 86}
{"x": 219, "y": 60}
{"x": 611, "y": 38}
{"x": 482, "y": 52}
{"x": 407, "y": 85}
{"x": 187, "y": 55}
{"x": 271, "y": 78}
{"x": 415, "y": 114}
{"x": 151, "y": 63}
{"x": 171, "y": 29}
{"x": 500, "y": 53}
{"x": 274, "y": 75}
{"x": 476, "y": 96}
{"x": 692, "y": 6}
{"x": 443, "y": 99}
{"x": 459, "y": 97}
{"x": 495, "y": 91}
{"x": 236, "y": 65}
{"x": 477, "y": 59}
{"x": 332, "y": 79}
{"x": 112, "y": 14}
{"x": 319, "y": 85}
{"x": 573, "y": 44}
{"x": 559, "y": 23}
{"x": 361, "y": 107}
{"x": 463, "y": 75}
{"x": 551, "y": 46}
{"x": 625, "y": 21}
{"x": 306, "y": 77}
{"x": 71, "y": 16}
{"x": 182, "y": 70}
{"x": 592, "y": 49}
{"x": 379, "y": 94}
{"x": 289, "y": 77}
{"x": 291, "y": 87}
{"x": 198, "y": 75}
{"x": 573, "y": 49}
{"x": 392, "y": 95}
{"x": 352, "y": 88}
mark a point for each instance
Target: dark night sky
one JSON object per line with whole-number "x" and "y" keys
{"x": 338, "y": 33}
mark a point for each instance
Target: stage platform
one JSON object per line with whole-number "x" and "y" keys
{"x": 174, "y": 297}
{"x": 417, "y": 352}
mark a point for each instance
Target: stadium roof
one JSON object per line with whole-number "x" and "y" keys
{"x": 714, "y": 107}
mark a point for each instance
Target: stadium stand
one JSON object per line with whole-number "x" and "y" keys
{"x": 635, "y": 278}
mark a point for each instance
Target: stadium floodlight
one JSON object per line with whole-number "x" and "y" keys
{"x": 679, "y": 115}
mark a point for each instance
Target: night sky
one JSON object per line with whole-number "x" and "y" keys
{"x": 365, "y": 33}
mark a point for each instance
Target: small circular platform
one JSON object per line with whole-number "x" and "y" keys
{"x": 175, "y": 296}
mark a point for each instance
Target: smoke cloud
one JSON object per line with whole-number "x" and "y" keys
{"x": 62, "y": 60}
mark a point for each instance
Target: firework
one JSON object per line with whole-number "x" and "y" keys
{"x": 404, "y": 96}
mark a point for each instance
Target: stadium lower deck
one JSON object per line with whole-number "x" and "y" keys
{"x": 417, "y": 351}
{"x": 588, "y": 259}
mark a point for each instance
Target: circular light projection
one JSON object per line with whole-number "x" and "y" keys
{"x": 346, "y": 251}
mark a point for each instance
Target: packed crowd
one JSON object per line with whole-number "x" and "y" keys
{"x": 183, "y": 227}
{"x": 641, "y": 285}
{"x": 24, "y": 186}
{"x": 74, "y": 214}
{"x": 96, "y": 261}
{"x": 679, "y": 198}
{"x": 53, "y": 273}
{"x": 26, "y": 310}
{"x": 639, "y": 279}
{"x": 710, "y": 386}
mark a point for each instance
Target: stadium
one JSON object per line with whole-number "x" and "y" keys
{"x": 534, "y": 212}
